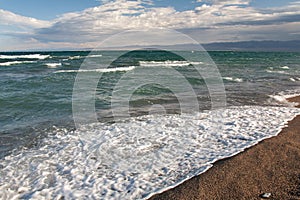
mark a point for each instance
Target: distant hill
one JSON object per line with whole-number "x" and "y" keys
{"x": 293, "y": 45}
{"x": 286, "y": 46}
{"x": 289, "y": 46}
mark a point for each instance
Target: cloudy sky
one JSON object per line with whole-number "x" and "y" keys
{"x": 76, "y": 24}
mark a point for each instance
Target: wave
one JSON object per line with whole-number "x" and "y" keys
{"x": 53, "y": 65}
{"x": 74, "y": 57}
{"x": 294, "y": 79}
{"x": 105, "y": 70}
{"x": 168, "y": 63}
{"x": 285, "y": 67}
{"x": 137, "y": 158}
{"x": 29, "y": 56}
{"x": 80, "y": 57}
{"x": 277, "y": 72}
{"x": 283, "y": 98}
{"x": 94, "y": 56}
{"x": 239, "y": 80}
{"x": 15, "y": 63}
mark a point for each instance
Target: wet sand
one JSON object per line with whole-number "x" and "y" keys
{"x": 272, "y": 166}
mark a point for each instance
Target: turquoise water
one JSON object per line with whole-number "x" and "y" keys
{"x": 36, "y": 88}
{"x": 43, "y": 152}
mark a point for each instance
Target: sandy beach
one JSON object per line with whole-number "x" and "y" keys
{"x": 272, "y": 166}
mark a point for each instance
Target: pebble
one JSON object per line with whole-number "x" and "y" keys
{"x": 265, "y": 195}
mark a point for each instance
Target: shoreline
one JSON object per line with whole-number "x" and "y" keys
{"x": 271, "y": 166}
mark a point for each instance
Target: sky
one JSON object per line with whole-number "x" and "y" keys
{"x": 81, "y": 24}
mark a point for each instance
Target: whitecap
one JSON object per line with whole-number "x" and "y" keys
{"x": 94, "y": 56}
{"x": 74, "y": 57}
{"x": 239, "y": 80}
{"x": 53, "y": 65}
{"x": 277, "y": 72}
{"x": 285, "y": 67}
{"x": 168, "y": 63}
{"x": 29, "y": 56}
{"x": 104, "y": 70}
{"x": 15, "y": 63}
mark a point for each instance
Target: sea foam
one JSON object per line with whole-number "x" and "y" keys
{"x": 104, "y": 70}
{"x": 136, "y": 158}
{"x": 285, "y": 67}
{"x": 239, "y": 80}
{"x": 53, "y": 65}
{"x": 15, "y": 63}
{"x": 94, "y": 56}
{"x": 29, "y": 56}
{"x": 168, "y": 63}
{"x": 283, "y": 97}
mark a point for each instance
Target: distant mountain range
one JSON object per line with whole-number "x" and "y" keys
{"x": 289, "y": 46}
{"x": 285, "y": 46}
{"x": 293, "y": 45}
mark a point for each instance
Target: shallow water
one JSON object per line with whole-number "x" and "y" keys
{"x": 43, "y": 153}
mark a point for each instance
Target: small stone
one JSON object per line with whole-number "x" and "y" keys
{"x": 265, "y": 195}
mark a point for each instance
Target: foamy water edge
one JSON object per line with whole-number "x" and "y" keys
{"x": 44, "y": 171}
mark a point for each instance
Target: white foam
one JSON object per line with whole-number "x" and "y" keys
{"x": 283, "y": 98}
{"x": 104, "y": 70}
{"x": 168, "y": 63}
{"x": 239, "y": 80}
{"x": 74, "y": 57}
{"x": 137, "y": 158}
{"x": 94, "y": 56}
{"x": 30, "y": 56}
{"x": 277, "y": 72}
{"x": 53, "y": 65}
{"x": 285, "y": 67}
{"x": 15, "y": 63}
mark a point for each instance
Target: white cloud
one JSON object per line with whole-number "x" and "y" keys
{"x": 124, "y": 15}
{"x": 226, "y": 2}
{"x": 17, "y": 32}
{"x": 9, "y": 18}
{"x": 214, "y": 20}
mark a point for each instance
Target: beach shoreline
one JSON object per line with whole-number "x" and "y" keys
{"x": 271, "y": 166}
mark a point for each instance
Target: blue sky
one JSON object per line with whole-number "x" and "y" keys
{"x": 55, "y": 24}
{"x": 48, "y": 10}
